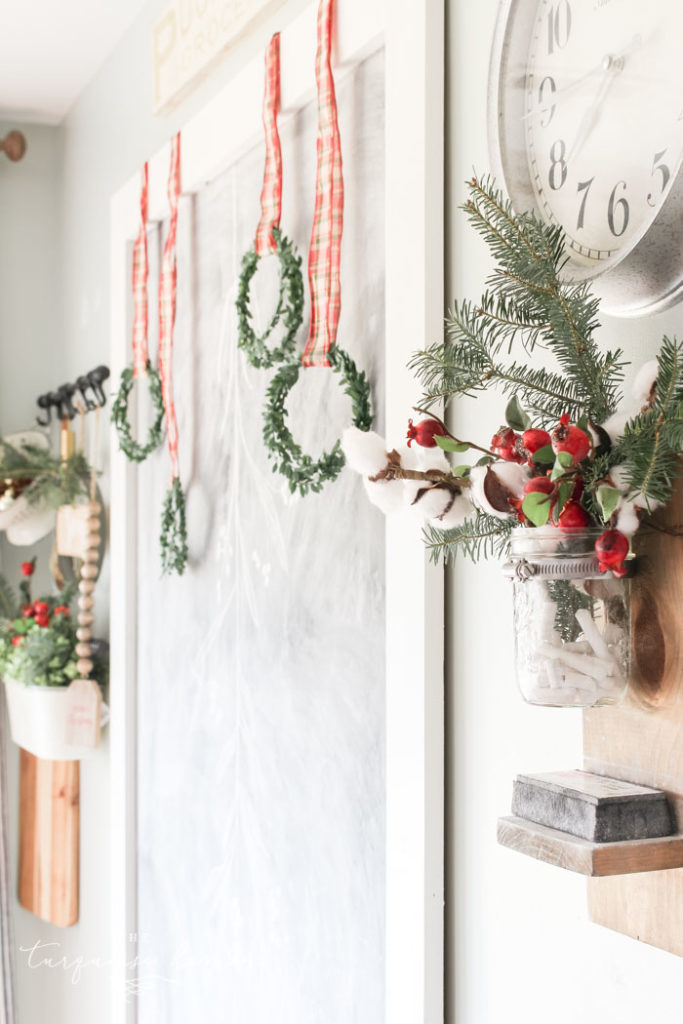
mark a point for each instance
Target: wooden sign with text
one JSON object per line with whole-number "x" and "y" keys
{"x": 191, "y": 35}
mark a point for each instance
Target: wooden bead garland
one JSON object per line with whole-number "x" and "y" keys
{"x": 86, "y": 586}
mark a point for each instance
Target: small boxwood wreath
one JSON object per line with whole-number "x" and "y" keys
{"x": 304, "y": 473}
{"x": 173, "y": 537}
{"x": 134, "y": 450}
{"x": 289, "y": 310}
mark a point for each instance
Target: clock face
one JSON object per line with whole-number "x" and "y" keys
{"x": 602, "y": 119}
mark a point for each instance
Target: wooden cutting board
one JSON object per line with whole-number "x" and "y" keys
{"x": 49, "y": 809}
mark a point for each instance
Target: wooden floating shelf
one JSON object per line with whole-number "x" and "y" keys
{"x": 594, "y": 859}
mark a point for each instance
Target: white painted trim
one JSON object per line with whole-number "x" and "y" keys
{"x": 123, "y": 640}
{"x": 211, "y": 141}
{"x": 415, "y": 590}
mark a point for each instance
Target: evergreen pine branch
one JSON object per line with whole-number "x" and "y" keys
{"x": 484, "y": 536}
{"x": 526, "y": 300}
{"x": 466, "y": 363}
{"x": 568, "y": 599}
{"x": 9, "y": 606}
{"x": 53, "y": 481}
{"x": 535, "y": 249}
{"x": 650, "y": 444}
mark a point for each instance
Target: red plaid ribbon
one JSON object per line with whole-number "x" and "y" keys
{"x": 325, "y": 251}
{"x": 271, "y": 194}
{"x": 140, "y": 275}
{"x": 167, "y": 306}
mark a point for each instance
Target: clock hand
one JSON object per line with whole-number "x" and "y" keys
{"x": 610, "y": 62}
{"x": 592, "y": 115}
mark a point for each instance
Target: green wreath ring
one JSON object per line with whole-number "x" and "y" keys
{"x": 289, "y": 310}
{"x": 135, "y": 451}
{"x": 303, "y": 473}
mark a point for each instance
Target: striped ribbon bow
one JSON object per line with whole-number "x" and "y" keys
{"x": 271, "y": 194}
{"x": 168, "y": 287}
{"x": 140, "y": 275}
{"x": 325, "y": 250}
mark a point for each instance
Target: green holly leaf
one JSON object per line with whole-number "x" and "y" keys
{"x": 545, "y": 456}
{"x": 562, "y": 463}
{"x": 447, "y": 444}
{"x": 536, "y": 507}
{"x": 515, "y": 416}
{"x": 485, "y": 460}
{"x": 461, "y": 470}
{"x": 608, "y": 499}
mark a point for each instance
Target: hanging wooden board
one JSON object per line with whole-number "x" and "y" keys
{"x": 48, "y": 838}
{"x": 640, "y": 740}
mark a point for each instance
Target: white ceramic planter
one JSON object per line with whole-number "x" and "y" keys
{"x": 38, "y": 721}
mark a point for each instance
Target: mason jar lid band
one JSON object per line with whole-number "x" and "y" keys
{"x": 521, "y": 569}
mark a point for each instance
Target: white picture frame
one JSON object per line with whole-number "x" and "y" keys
{"x": 413, "y": 37}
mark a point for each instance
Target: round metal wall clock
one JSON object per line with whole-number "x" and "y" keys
{"x": 586, "y": 128}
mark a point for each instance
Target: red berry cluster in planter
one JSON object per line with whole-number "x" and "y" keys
{"x": 424, "y": 431}
{"x": 39, "y": 611}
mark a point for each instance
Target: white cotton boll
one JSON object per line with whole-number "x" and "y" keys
{"x": 477, "y": 476}
{"x": 365, "y": 451}
{"x": 513, "y": 476}
{"x": 433, "y": 503}
{"x": 387, "y": 495}
{"x": 615, "y": 425}
{"x": 627, "y": 518}
{"x": 410, "y": 490}
{"x": 645, "y": 378}
{"x": 458, "y": 513}
{"x": 410, "y": 457}
{"x": 619, "y": 477}
{"x": 431, "y": 458}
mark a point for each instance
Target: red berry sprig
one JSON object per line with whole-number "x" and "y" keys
{"x": 424, "y": 431}
{"x": 573, "y": 516}
{"x": 532, "y": 441}
{"x": 504, "y": 444}
{"x": 539, "y": 485}
{"x": 612, "y": 547}
{"x": 566, "y": 437}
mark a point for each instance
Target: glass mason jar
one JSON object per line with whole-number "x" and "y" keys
{"x": 571, "y": 622}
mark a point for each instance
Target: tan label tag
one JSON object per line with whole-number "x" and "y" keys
{"x": 83, "y": 715}
{"x": 73, "y": 530}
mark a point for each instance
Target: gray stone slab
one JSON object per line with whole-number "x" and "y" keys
{"x": 594, "y": 807}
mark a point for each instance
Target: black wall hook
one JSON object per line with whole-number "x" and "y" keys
{"x": 97, "y": 378}
{"x": 89, "y": 386}
{"x": 46, "y": 402}
{"x": 67, "y": 410}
